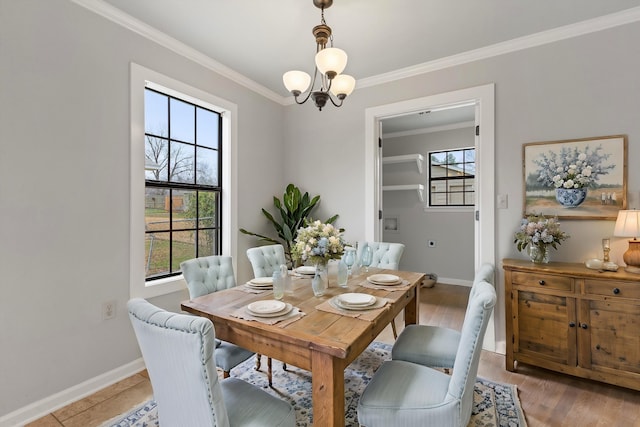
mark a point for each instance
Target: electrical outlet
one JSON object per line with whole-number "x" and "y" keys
{"x": 432, "y": 243}
{"x": 108, "y": 310}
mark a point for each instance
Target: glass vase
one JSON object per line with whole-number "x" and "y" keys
{"x": 539, "y": 254}
{"x": 320, "y": 281}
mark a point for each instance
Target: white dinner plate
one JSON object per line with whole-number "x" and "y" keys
{"x": 266, "y": 306}
{"x": 259, "y": 287}
{"x": 262, "y": 281}
{"x": 335, "y": 302}
{"x": 306, "y": 269}
{"x": 286, "y": 310}
{"x": 384, "y": 278}
{"x": 399, "y": 282}
{"x": 356, "y": 299}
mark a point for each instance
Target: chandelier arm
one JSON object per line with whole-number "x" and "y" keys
{"x": 334, "y": 102}
{"x": 310, "y": 90}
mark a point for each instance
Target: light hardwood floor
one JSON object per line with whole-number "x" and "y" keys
{"x": 548, "y": 398}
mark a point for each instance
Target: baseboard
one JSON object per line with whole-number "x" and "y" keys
{"x": 59, "y": 400}
{"x": 458, "y": 282}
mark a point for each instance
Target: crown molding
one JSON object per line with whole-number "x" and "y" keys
{"x": 538, "y": 39}
{"x": 127, "y": 21}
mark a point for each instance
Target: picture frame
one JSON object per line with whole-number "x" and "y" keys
{"x": 576, "y": 178}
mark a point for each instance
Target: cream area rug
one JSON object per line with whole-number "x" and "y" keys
{"x": 495, "y": 404}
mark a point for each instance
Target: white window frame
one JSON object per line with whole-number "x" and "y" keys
{"x": 140, "y": 78}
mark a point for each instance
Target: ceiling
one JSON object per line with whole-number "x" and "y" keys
{"x": 261, "y": 40}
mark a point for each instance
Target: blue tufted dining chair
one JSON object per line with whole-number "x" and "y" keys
{"x": 385, "y": 255}
{"x": 210, "y": 274}
{"x": 178, "y": 351}
{"x": 407, "y": 394}
{"x": 435, "y": 346}
{"x": 264, "y": 261}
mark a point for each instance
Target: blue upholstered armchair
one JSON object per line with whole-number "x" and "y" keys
{"x": 210, "y": 274}
{"x": 178, "y": 351}
{"x": 408, "y": 394}
{"x": 435, "y": 346}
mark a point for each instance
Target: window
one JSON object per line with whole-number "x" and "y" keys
{"x": 170, "y": 184}
{"x": 182, "y": 183}
{"x": 452, "y": 177}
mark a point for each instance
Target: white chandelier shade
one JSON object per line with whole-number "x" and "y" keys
{"x": 296, "y": 80}
{"x": 331, "y": 60}
{"x": 343, "y": 84}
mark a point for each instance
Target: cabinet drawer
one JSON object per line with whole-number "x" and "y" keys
{"x": 542, "y": 281}
{"x": 612, "y": 288}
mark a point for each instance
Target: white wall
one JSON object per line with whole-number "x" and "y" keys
{"x": 579, "y": 87}
{"x": 451, "y": 229}
{"x": 64, "y": 190}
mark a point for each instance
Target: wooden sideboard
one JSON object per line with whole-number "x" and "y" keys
{"x": 571, "y": 319}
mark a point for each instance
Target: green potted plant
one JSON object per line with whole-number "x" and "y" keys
{"x": 294, "y": 208}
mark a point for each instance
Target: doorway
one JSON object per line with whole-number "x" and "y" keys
{"x": 484, "y": 230}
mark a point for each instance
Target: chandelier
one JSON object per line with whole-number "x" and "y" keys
{"x": 330, "y": 62}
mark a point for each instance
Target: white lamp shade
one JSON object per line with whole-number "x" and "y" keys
{"x": 627, "y": 224}
{"x": 343, "y": 84}
{"x": 296, "y": 80}
{"x": 331, "y": 59}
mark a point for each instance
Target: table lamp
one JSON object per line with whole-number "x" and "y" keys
{"x": 628, "y": 225}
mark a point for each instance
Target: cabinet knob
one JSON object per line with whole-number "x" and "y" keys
{"x": 616, "y": 291}
{"x": 572, "y": 324}
{"x": 583, "y": 325}
{"x": 541, "y": 282}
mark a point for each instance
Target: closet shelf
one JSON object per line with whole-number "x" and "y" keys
{"x": 418, "y": 158}
{"x": 415, "y": 187}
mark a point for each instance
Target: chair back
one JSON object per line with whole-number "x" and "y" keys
{"x": 178, "y": 351}
{"x": 385, "y": 255}
{"x": 266, "y": 259}
{"x": 465, "y": 367}
{"x": 206, "y": 275}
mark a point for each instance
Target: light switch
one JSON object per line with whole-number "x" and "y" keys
{"x": 503, "y": 201}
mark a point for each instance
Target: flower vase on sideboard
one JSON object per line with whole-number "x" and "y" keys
{"x": 539, "y": 254}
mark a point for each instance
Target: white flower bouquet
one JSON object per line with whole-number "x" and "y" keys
{"x": 318, "y": 243}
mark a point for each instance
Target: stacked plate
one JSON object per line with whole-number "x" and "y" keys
{"x": 355, "y": 301}
{"x": 384, "y": 279}
{"x": 306, "y": 270}
{"x": 269, "y": 308}
{"x": 261, "y": 283}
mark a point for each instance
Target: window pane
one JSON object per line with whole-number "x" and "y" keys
{"x": 470, "y": 168}
{"x": 206, "y": 243}
{"x": 456, "y": 198}
{"x": 456, "y": 156}
{"x": 470, "y": 184}
{"x": 156, "y": 118}
{"x": 470, "y": 198}
{"x": 155, "y": 158}
{"x": 455, "y": 169}
{"x": 182, "y": 121}
{"x": 183, "y": 217}
{"x": 182, "y": 156}
{"x": 439, "y": 158}
{"x": 184, "y": 248}
{"x": 156, "y": 212}
{"x": 208, "y": 208}
{"x": 207, "y": 167}
{"x": 207, "y": 128}
{"x": 157, "y": 254}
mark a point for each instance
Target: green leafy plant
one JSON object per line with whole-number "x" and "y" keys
{"x": 294, "y": 209}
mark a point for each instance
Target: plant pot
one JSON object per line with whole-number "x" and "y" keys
{"x": 571, "y": 197}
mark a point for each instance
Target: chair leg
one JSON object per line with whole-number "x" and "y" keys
{"x": 258, "y": 358}
{"x": 225, "y": 374}
{"x": 284, "y": 366}
{"x": 269, "y": 371}
{"x": 393, "y": 327}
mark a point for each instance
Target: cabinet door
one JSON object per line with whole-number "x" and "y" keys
{"x": 608, "y": 336}
{"x": 545, "y": 327}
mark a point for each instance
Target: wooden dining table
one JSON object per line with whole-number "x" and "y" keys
{"x": 322, "y": 342}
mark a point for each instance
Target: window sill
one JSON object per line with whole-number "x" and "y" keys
{"x": 159, "y": 287}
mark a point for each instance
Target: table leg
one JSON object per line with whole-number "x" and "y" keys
{"x": 328, "y": 390}
{"x": 412, "y": 310}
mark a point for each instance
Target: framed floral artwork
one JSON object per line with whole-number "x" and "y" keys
{"x": 576, "y": 179}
